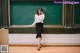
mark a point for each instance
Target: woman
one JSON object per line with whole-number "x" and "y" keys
{"x": 39, "y": 17}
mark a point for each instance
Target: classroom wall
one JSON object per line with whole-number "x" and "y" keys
{"x": 48, "y": 39}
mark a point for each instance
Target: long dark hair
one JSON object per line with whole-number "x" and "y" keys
{"x": 41, "y": 11}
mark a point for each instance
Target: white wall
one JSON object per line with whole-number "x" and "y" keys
{"x": 47, "y": 39}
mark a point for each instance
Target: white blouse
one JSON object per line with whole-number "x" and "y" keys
{"x": 38, "y": 18}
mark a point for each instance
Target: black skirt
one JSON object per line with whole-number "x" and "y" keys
{"x": 39, "y": 29}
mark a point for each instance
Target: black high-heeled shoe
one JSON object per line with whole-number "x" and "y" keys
{"x": 38, "y": 49}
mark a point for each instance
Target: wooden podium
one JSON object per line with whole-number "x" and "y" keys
{"x": 4, "y": 34}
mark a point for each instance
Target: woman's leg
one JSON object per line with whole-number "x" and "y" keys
{"x": 39, "y": 28}
{"x": 39, "y": 43}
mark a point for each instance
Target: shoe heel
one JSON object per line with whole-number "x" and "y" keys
{"x": 39, "y": 49}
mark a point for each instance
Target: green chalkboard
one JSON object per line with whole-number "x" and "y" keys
{"x": 77, "y": 14}
{"x": 22, "y": 13}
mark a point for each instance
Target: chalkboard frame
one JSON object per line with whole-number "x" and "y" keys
{"x": 47, "y": 26}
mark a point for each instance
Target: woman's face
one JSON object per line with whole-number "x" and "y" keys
{"x": 39, "y": 10}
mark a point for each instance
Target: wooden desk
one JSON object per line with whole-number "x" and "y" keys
{"x": 4, "y": 37}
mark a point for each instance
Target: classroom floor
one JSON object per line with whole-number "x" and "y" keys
{"x": 25, "y": 49}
